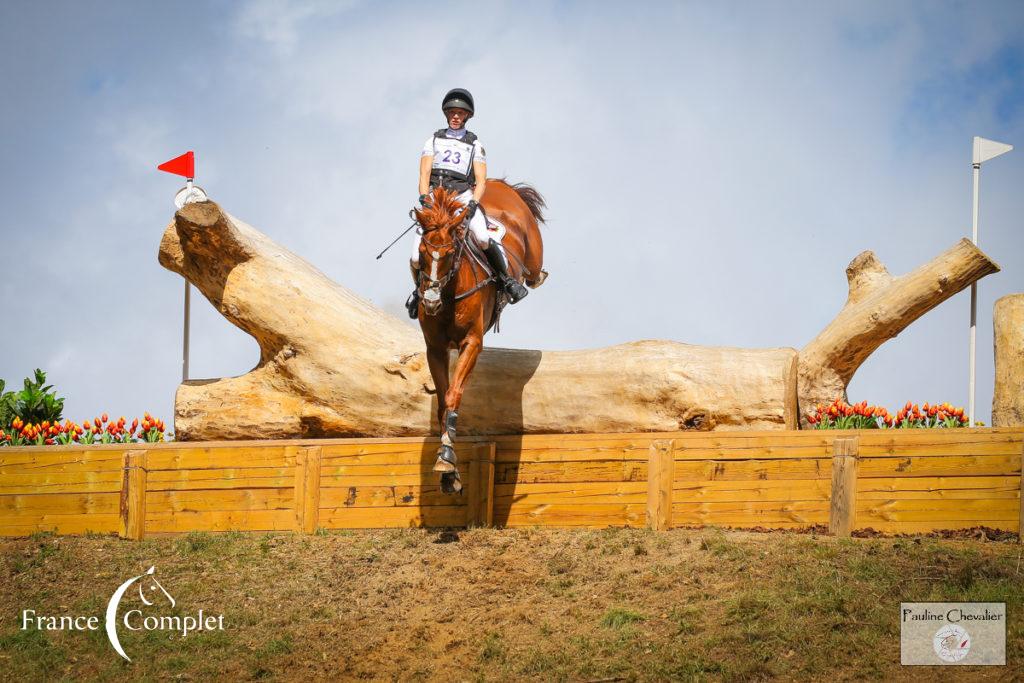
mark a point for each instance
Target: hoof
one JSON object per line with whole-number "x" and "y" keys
{"x": 451, "y": 483}
{"x": 445, "y": 459}
{"x": 539, "y": 281}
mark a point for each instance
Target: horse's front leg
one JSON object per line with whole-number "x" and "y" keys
{"x": 469, "y": 350}
{"x": 437, "y": 361}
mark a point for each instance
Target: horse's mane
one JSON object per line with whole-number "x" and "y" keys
{"x": 442, "y": 206}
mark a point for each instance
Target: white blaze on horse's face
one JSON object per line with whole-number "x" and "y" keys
{"x": 433, "y": 265}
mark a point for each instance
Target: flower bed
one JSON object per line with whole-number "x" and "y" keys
{"x": 100, "y": 430}
{"x": 841, "y": 415}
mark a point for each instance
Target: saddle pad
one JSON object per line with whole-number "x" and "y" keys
{"x": 495, "y": 229}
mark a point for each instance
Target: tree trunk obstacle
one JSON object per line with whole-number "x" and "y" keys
{"x": 1008, "y": 340}
{"x": 333, "y": 365}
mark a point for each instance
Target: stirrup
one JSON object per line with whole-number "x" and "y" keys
{"x": 515, "y": 290}
{"x": 412, "y": 304}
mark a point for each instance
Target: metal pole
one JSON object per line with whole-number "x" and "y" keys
{"x": 974, "y": 297}
{"x": 184, "y": 360}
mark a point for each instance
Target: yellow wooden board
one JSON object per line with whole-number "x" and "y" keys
{"x": 881, "y": 438}
{"x": 226, "y": 499}
{"x": 884, "y": 488}
{"x": 419, "y": 479}
{"x": 595, "y": 515}
{"x": 751, "y": 513}
{"x": 750, "y": 470}
{"x": 941, "y": 449}
{"x": 23, "y": 525}
{"x": 223, "y": 458}
{"x": 754, "y": 453}
{"x": 938, "y": 525}
{"x": 380, "y": 454}
{"x": 571, "y": 493}
{"x": 424, "y": 470}
{"x": 539, "y": 472}
{"x": 946, "y": 466}
{"x": 377, "y": 518}
{"x": 571, "y": 454}
{"x": 388, "y": 496}
{"x": 60, "y": 503}
{"x": 220, "y": 520}
{"x": 61, "y": 482}
{"x": 774, "y": 524}
{"x": 230, "y": 478}
{"x": 40, "y": 461}
{"x": 752, "y": 490}
{"x": 934, "y": 510}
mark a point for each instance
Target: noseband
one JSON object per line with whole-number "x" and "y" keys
{"x": 432, "y": 294}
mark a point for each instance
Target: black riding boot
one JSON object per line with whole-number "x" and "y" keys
{"x": 499, "y": 261}
{"x": 412, "y": 304}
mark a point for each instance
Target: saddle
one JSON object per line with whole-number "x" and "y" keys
{"x": 478, "y": 259}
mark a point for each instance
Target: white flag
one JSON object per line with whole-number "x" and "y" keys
{"x": 988, "y": 149}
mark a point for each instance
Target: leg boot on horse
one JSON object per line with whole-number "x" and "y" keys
{"x": 413, "y": 303}
{"x": 446, "y": 458}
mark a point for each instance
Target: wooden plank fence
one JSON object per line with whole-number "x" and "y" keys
{"x": 893, "y": 481}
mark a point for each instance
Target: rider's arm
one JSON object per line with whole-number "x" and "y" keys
{"x": 480, "y": 173}
{"x": 426, "y": 161}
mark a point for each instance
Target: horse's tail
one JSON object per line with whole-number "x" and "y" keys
{"x": 533, "y": 199}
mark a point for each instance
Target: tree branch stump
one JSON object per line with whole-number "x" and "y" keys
{"x": 879, "y": 307}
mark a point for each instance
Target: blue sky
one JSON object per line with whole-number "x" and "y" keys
{"x": 710, "y": 168}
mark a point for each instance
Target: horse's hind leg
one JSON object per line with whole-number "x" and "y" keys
{"x": 534, "y": 256}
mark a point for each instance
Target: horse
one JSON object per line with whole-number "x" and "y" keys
{"x": 460, "y": 297}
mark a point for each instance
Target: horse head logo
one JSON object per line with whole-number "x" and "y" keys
{"x": 148, "y": 587}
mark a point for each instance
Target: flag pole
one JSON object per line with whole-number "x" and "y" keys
{"x": 974, "y": 299}
{"x": 188, "y": 291}
{"x": 184, "y": 360}
{"x": 983, "y": 150}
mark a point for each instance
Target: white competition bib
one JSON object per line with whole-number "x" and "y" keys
{"x": 452, "y": 155}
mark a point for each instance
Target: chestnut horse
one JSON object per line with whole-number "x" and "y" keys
{"x": 458, "y": 293}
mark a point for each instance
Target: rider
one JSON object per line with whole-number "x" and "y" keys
{"x": 453, "y": 158}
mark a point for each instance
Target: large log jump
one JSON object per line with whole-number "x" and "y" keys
{"x": 333, "y": 365}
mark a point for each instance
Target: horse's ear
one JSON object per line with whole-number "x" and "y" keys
{"x": 455, "y": 221}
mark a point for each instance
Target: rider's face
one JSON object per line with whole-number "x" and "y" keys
{"x": 456, "y": 117}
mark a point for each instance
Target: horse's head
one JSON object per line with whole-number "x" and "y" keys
{"x": 441, "y": 225}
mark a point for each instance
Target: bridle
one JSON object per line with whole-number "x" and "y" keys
{"x": 431, "y": 296}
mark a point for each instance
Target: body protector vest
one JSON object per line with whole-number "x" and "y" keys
{"x": 453, "y": 162}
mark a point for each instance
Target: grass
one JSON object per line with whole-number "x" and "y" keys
{"x": 518, "y": 604}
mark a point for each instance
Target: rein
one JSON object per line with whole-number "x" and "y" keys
{"x": 461, "y": 248}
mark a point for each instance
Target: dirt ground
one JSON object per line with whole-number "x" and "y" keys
{"x": 503, "y": 605}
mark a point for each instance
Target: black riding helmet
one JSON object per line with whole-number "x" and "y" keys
{"x": 458, "y": 97}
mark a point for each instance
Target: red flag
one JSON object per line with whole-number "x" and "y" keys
{"x": 184, "y": 165}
